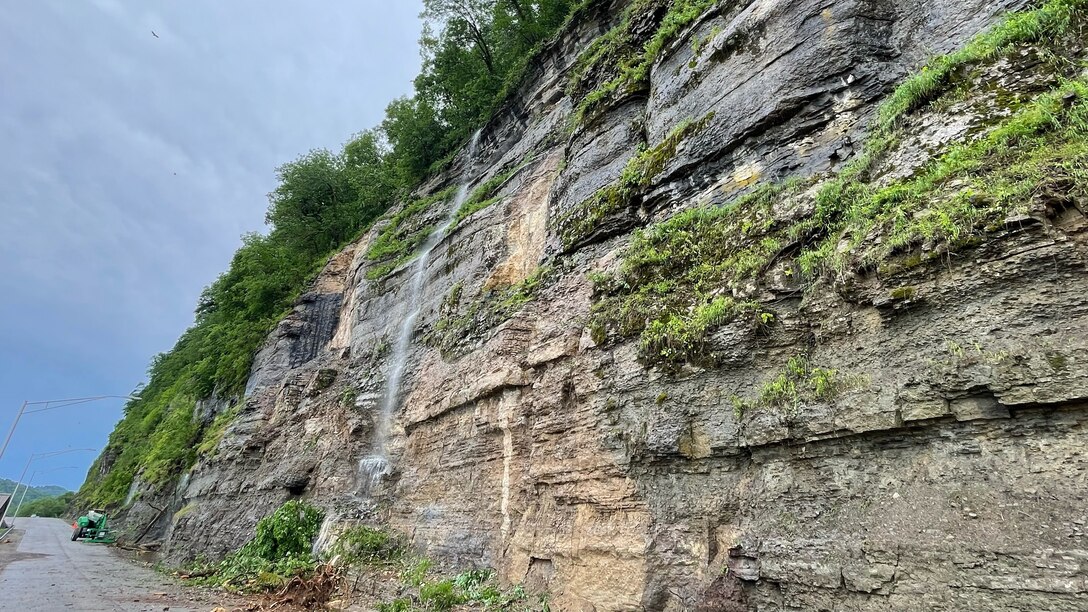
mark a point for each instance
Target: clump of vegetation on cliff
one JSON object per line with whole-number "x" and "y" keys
{"x": 970, "y": 189}
{"x": 487, "y": 193}
{"x": 798, "y": 383}
{"x": 459, "y": 323}
{"x": 1053, "y": 20}
{"x": 675, "y": 284}
{"x": 623, "y": 58}
{"x": 281, "y": 549}
{"x": 469, "y": 590}
{"x": 579, "y": 223}
{"x": 405, "y": 231}
{"x": 706, "y": 258}
{"x": 403, "y": 234}
{"x": 214, "y": 433}
{"x": 474, "y": 53}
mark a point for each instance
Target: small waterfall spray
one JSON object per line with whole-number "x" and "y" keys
{"x": 325, "y": 536}
{"x": 375, "y": 466}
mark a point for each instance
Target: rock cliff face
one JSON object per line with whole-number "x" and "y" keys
{"x": 947, "y": 473}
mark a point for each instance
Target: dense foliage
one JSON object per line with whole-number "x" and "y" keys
{"x": 281, "y": 548}
{"x": 474, "y": 52}
{"x": 47, "y": 506}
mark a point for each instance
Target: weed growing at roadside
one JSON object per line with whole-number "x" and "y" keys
{"x": 479, "y": 587}
{"x": 368, "y": 546}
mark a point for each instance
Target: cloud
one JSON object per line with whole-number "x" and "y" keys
{"x": 130, "y": 164}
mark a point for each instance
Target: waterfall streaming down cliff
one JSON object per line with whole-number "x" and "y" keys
{"x": 375, "y": 466}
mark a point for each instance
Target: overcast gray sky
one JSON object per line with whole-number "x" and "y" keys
{"x": 131, "y": 162}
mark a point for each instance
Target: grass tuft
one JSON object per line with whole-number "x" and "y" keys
{"x": 639, "y": 173}
{"x": 399, "y": 239}
{"x": 617, "y": 52}
{"x": 798, "y": 383}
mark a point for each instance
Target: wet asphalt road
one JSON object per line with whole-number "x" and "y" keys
{"x": 50, "y": 573}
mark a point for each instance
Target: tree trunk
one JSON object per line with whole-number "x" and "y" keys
{"x": 481, "y": 45}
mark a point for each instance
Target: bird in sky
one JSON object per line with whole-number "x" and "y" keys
{"x": 154, "y": 34}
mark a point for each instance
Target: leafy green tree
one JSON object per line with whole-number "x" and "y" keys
{"x": 368, "y": 165}
{"x": 467, "y": 22}
{"x": 52, "y": 507}
{"x": 313, "y": 193}
{"x": 473, "y": 51}
{"x": 413, "y": 130}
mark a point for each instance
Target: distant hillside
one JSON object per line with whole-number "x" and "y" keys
{"x": 7, "y": 486}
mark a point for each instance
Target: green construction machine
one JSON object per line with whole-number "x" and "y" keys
{"x": 93, "y": 527}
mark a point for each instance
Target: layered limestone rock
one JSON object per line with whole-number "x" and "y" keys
{"x": 949, "y": 473}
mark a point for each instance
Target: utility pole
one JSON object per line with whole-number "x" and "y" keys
{"x": 12, "y": 430}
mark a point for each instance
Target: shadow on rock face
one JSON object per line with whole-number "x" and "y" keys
{"x": 725, "y": 594}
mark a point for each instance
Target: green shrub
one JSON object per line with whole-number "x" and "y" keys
{"x": 972, "y": 186}
{"x": 680, "y": 337}
{"x": 280, "y": 549}
{"x": 440, "y": 596}
{"x": 288, "y": 532}
{"x": 368, "y": 546}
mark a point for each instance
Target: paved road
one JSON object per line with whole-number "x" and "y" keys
{"x": 50, "y": 573}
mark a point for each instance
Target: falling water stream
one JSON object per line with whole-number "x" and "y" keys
{"x": 375, "y": 466}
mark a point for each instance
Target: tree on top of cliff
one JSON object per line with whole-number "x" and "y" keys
{"x": 474, "y": 51}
